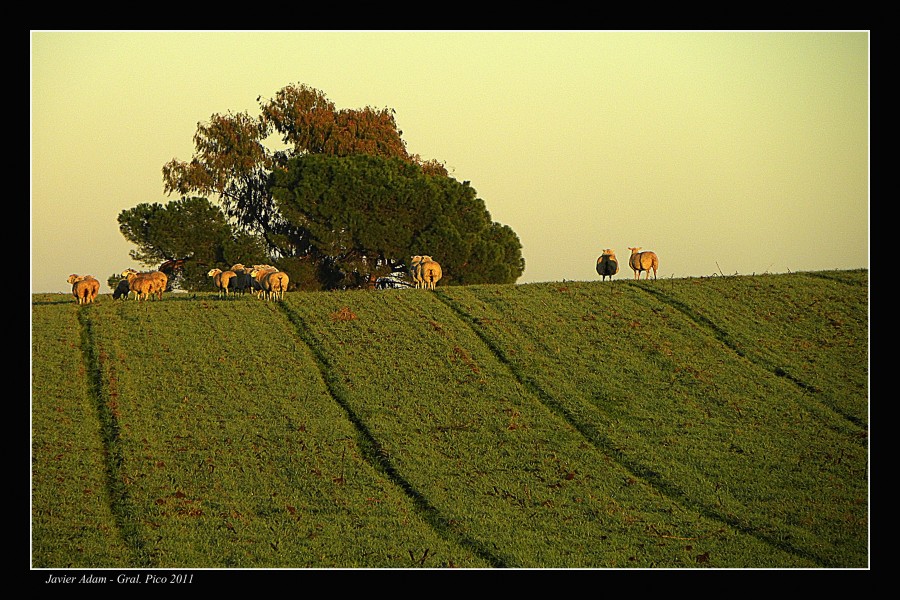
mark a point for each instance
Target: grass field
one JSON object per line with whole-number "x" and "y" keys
{"x": 685, "y": 423}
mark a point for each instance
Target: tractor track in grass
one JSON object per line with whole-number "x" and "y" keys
{"x": 808, "y": 390}
{"x": 605, "y": 445}
{"x": 95, "y": 360}
{"x": 373, "y": 451}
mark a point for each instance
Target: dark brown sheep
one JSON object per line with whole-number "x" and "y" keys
{"x": 607, "y": 264}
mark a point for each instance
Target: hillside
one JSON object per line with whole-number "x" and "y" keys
{"x": 704, "y": 422}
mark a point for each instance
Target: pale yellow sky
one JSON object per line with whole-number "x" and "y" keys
{"x": 739, "y": 152}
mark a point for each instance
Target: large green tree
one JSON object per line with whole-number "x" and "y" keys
{"x": 190, "y": 228}
{"x": 366, "y": 215}
{"x": 233, "y": 163}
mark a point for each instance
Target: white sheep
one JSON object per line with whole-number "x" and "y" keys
{"x": 274, "y": 282}
{"x": 84, "y": 287}
{"x": 277, "y": 285}
{"x": 142, "y": 284}
{"x": 161, "y": 282}
{"x": 146, "y": 285}
{"x": 431, "y": 272}
{"x": 222, "y": 279}
{"x": 258, "y": 273}
{"x": 415, "y": 270}
{"x": 643, "y": 261}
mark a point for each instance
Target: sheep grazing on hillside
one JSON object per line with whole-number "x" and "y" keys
{"x": 145, "y": 285}
{"x": 160, "y": 282}
{"x": 82, "y": 291}
{"x": 643, "y": 261}
{"x": 274, "y": 283}
{"x": 258, "y": 273}
{"x": 84, "y": 287}
{"x": 431, "y": 272}
{"x": 222, "y": 279}
{"x": 242, "y": 280}
{"x": 607, "y": 264}
{"x": 415, "y": 271}
{"x": 277, "y": 285}
{"x": 94, "y": 286}
{"x": 122, "y": 290}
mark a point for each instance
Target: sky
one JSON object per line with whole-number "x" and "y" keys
{"x": 725, "y": 152}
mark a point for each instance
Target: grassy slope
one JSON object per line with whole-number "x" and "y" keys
{"x": 699, "y": 422}
{"x": 72, "y": 524}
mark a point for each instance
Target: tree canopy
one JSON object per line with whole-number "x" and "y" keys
{"x": 188, "y": 228}
{"x": 335, "y": 241}
{"x": 367, "y": 215}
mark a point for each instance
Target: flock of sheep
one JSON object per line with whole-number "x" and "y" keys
{"x": 261, "y": 280}
{"x": 608, "y": 264}
{"x": 271, "y": 283}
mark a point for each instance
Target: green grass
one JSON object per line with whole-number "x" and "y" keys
{"x": 713, "y": 422}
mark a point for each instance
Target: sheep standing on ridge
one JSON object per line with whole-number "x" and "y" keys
{"x": 643, "y": 261}
{"x": 80, "y": 289}
{"x": 84, "y": 287}
{"x": 145, "y": 285}
{"x": 222, "y": 279}
{"x": 122, "y": 290}
{"x": 160, "y": 282}
{"x": 415, "y": 271}
{"x": 242, "y": 280}
{"x": 277, "y": 285}
{"x": 274, "y": 283}
{"x": 431, "y": 272}
{"x": 607, "y": 264}
{"x": 94, "y": 286}
{"x": 257, "y": 274}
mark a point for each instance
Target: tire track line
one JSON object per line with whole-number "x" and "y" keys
{"x": 725, "y": 339}
{"x": 95, "y": 359}
{"x": 637, "y": 469}
{"x": 374, "y": 452}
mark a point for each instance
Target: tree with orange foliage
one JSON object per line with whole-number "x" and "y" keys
{"x": 233, "y": 163}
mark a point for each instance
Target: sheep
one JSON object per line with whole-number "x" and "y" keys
{"x": 643, "y": 261}
{"x": 431, "y": 272}
{"x": 144, "y": 285}
{"x": 136, "y": 283}
{"x": 258, "y": 273}
{"x": 222, "y": 279}
{"x": 82, "y": 291}
{"x": 415, "y": 271}
{"x": 122, "y": 290}
{"x": 274, "y": 283}
{"x": 607, "y": 264}
{"x": 84, "y": 287}
{"x": 94, "y": 286}
{"x": 277, "y": 284}
{"x": 161, "y": 281}
{"x": 242, "y": 281}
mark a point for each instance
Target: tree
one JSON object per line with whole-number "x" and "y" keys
{"x": 231, "y": 161}
{"x": 188, "y": 228}
{"x": 233, "y": 164}
{"x": 367, "y": 215}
